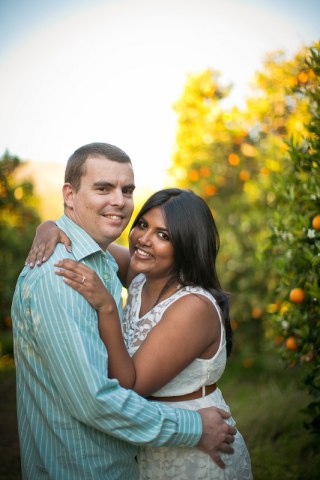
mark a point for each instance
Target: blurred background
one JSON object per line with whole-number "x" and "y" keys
{"x": 219, "y": 97}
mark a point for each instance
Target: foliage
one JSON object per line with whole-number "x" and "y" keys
{"x": 238, "y": 161}
{"x": 295, "y": 244}
{"x": 230, "y": 157}
{"x": 18, "y": 220}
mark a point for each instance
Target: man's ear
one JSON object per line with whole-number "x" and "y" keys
{"x": 67, "y": 192}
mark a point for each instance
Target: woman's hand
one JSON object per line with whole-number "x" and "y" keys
{"x": 47, "y": 236}
{"x": 85, "y": 281}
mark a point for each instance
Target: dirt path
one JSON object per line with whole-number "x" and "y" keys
{"x": 9, "y": 444}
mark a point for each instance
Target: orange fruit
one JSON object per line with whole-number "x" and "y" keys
{"x": 291, "y": 343}
{"x": 244, "y": 175}
{"x": 205, "y": 171}
{"x": 256, "y": 312}
{"x": 296, "y": 295}
{"x": 234, "y": 159}
{"x": 316, "y": 222}
{"x": 303, "y": 77}
{"x": 194, "y": 175}
{"x": 265, "y": 171}
{"x": 210, "y": 189}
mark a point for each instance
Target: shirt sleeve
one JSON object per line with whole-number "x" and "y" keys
{"x": 68, "y": 342}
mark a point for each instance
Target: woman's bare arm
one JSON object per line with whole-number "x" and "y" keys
{"x": 48, "y": 234}
{"x": 122, "y": 257}
{"x": 187, "y": 330}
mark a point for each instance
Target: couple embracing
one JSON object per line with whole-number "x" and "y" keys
{"x": 106, "y": 394}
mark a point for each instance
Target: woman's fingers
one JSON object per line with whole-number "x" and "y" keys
{"x": 65, "y": 240}
{"x": 35, "y": 256}
{"x": 83, "y": 279}
{"x": 78, "y": 282}
{"x": 70, "y": 275}
{"x": 75, "y": 267}
{"x": 94, "y": 293}
{"x": 46, "y": 239}
{"x": 78, "y": 273}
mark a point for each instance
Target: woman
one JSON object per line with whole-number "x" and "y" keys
{"x": 176, "y": 333}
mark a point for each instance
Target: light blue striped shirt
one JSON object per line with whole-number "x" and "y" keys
{"x": 74, "y": 422}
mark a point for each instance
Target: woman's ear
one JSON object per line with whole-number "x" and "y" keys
{"x": 67, "y": 192}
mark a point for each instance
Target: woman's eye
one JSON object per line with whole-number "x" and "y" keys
{"x": 142, "y": 224}
{"x": 163, "y": 236}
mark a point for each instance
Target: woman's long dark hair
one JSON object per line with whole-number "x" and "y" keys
{"x": 195, "y": 239}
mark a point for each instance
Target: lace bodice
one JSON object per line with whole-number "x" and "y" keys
{"x": 201, "y": 371}
{"x": 182, "y": 463}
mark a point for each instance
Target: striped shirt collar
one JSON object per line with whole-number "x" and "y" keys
{"x": 82, "y": 244}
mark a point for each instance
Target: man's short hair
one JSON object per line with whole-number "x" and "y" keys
{"x": 76, "y": 167}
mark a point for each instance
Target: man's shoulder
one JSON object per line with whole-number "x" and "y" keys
{"x": 39, "y": 273}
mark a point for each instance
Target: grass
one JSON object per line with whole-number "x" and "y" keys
{"x": 267, "y": 405}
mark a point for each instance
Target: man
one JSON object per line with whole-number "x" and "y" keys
{"x": 75, "y": 422}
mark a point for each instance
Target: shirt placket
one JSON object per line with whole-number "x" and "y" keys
{"x": 107, "y": 277}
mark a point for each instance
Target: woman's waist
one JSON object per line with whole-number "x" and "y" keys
{"x": 199, "y": 393}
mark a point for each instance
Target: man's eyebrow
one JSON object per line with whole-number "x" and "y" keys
{"x": 130, "y": 185}
{"x": 103, "y": 183}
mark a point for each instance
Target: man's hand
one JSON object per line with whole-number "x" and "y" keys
{"x": 217, "y": 435}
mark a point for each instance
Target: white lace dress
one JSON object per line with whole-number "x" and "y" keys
{"x": 183, "y": 463}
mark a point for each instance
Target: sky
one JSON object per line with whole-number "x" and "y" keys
{"x": 77, "y": 71}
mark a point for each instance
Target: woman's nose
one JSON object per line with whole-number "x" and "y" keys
{"x": 145, "y": 238}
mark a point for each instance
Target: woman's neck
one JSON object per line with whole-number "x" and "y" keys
{"x": 154, "y": 291}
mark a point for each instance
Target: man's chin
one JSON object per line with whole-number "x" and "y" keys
{"x": 111, "y": 235}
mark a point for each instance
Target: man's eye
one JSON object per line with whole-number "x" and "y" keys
{"x": 102, "y": 189}
{"x": 128, "y": 192}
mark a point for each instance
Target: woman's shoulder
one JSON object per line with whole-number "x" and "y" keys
{"x": 199, "y": 292}
{"x": 196, "y": 299}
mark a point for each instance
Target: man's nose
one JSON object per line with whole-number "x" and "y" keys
{"x": 117, "y": 198}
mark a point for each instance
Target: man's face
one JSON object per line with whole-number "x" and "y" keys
{"x": 103, "y": 204}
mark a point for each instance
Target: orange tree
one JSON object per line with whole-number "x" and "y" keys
{"x": 295, "y": 246}
{"x": 18, "y": 220}
{"x": 211, "y": 146}
{"x": 230, "y": 158}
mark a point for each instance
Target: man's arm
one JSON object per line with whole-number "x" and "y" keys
{"x": 215, "y": 431}
{"x": 122, "y": 257}
{"x": 68, "y": 339}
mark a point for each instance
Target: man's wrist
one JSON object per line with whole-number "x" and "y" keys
{"x": 189, "y": 429}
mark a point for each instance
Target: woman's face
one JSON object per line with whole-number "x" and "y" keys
{"x": 150, "y": 246}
